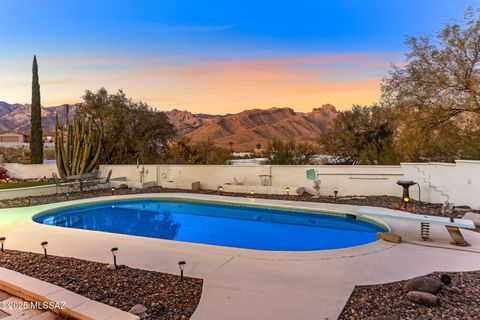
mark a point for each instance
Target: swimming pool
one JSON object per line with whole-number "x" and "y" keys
{"x": 218, "y": 224}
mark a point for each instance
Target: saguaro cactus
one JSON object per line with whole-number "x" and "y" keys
{"x": 77, "y": 150}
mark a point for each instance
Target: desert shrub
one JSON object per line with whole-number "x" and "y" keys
{"x": 3, "y": 173}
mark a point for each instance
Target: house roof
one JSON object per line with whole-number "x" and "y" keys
{"x": 14, "y": 132}
{"x": 26, "y": 134}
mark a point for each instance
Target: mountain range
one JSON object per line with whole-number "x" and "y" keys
{"x": 243, "y": 130}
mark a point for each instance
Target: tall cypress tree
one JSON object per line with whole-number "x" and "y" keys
{"x": 36, "y": 134}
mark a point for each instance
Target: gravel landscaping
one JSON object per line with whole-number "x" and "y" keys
{"x": 377, "y": 201}
{"x": 458, "y": 300}
{"x": 163, "y": 295}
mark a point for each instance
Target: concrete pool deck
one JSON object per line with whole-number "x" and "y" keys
{"x": 252, "y": 284}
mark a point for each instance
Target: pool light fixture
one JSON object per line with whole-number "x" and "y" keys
{"x": 287, "y": 189}
{"x": 44, "y": 246}
{"x": 252, "y": 194}
{"x": 113, "y": 191}
{"x": 181, "y": 265}
{"x": 2, "y": 241}
{"x": 220, "y": 189}
{"x": 114, "y": 251}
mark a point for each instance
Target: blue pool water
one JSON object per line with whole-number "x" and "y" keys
{"x": 218, "y": 224}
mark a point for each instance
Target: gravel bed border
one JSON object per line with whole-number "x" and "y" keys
{"x": 458, "y": 300}
{"x": 163, "y": 294}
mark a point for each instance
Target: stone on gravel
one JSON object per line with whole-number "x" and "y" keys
{"x": 447, "y": 209}
{"x": 475, "y": 217}
{"x": 424, "y": 284}
{"x": 446, "y": 279}
{"x": 381, "y": 301}
{"x": 139, "y": 310}
{"x": 111, "y": 267}
{"x": 424, "y": 298}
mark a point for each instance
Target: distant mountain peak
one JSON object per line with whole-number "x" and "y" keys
{"x": 326, "y": 107}
{"x": 245, "y": 129}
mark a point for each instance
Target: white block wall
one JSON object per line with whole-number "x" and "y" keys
{"x": 347, "y": 180}
{"x": 459, "y": 182}
{"x": 30, "y": 171}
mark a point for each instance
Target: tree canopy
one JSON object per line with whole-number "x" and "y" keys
{"x": 435, "y": 95}
{"x": 128, "y": 130}
{"x": 441, "y": 77}
{"x": 363, "y": 134}
{"x": 285, "y": 153}
{"x": 184, "y": 151}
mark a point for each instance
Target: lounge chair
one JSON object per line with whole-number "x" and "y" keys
{"x": 92, "y": 181}
{"x": 59, "y": 184}
{"x": 106, "y": 182}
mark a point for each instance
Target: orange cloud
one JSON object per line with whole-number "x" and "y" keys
{"x": 218, "y": 86}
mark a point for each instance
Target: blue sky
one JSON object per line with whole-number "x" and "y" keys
{"x": 106, "y": 40}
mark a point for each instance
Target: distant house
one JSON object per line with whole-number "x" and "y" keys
{"x": 16, "y": 139}
{"x": 48, "y": 137}
{"x": 13, "y": 137}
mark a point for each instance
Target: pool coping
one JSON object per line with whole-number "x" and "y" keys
{"x": 320, "y": 208}
{"x": 291, "y": 209}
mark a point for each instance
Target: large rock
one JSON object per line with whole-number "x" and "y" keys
{"x": 475, "y": 217}
{"x": 424, "y": 298}
{"x": 424, "y": 284}
{"x": 302, "y": 191}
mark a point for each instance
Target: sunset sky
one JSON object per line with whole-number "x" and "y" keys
{"x": 212, "y": 56}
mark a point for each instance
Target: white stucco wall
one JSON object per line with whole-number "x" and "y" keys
{"x": 30, "y": 171}
{"x": 459, "y": 182}
{"x": 347, "y": 180}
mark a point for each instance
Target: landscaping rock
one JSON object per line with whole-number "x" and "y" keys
{"x": 462, "y": 209}
{"x": 111, "y": 267}
{"x": 139, "y": 310}
{"x": 446, "y": 279}
{"x": 475, "y": 217}
{"x": 301, "y": 191}
{"x": 423, "y": 298}
{"x": 375, "y": 302}
{"x": 424, "y": 284}
{"x": 447, "y": 209}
